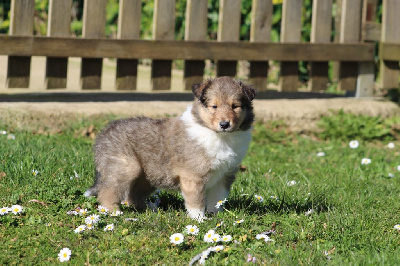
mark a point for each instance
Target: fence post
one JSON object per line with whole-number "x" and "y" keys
{"x": 21, "y": 23}
{"x": 128, "y": 28}
{"x": 321, "y": 27}
{"x": 228, "y": 31}
{"x": 163, "y": 29}
{"x": 59, "y": 26}
{"x": 290, "y": 32}
{"x": 195, "y": 30}
{"x": 366, "y": 70}
{"x": 260, "y": 31}
{"x": 94, "y": 21}
{"x": 350, "y": 32}
{"x": 390, "y": 70}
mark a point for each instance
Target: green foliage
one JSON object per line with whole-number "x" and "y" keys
{"x": 347, "y": 126}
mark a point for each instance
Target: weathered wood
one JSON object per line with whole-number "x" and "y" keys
{"x": 321, "y": 28}
{"x": 389, "y": 51}
{"x": 390, "y": 70}
{"x": 21, "y": 23}
{"x": 187, "y": 50}
{"x": 290, "y": 32}
{"x": 128, "y": 28}
{"x": 94, "y": 21}
{"x": 163, "y": 29}
{"x": 336, "y": 37}
{"x": 350, "y": 32}
{"x": 260, "y": 31}
{"x": 228, "y": 31}
{"x": 58, "y": 26}
{"x": 195, "y": 30}
{"x": 371, "y": 31}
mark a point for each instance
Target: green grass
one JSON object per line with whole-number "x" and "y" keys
{"x": 355, "y": 206}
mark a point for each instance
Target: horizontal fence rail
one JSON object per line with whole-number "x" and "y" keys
{"x": 189, "y": 50}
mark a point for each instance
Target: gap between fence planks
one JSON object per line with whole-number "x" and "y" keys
{"x": 21, "y": 23}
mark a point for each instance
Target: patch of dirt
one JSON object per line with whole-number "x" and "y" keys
{"x": 299, "y": 114}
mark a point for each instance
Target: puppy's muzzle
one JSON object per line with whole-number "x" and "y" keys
{"x": 224, "y": 124}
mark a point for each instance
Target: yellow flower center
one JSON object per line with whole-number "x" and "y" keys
{"x": 176, "y": 238}
{"x": 65, "y": 255}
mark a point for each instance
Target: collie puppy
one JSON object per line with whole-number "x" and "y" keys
{"x": 197, "y": 153}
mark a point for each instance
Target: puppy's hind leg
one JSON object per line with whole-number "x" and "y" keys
{"x": 140, "y": 189}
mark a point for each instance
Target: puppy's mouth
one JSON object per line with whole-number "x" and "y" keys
{"x": 225, "y": 126}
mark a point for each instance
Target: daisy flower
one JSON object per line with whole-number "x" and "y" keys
{"x": 391, "y": 145}
{"x": 83, "y": 212}
{"x": 64, "y": 255}
{"x": 227, "y": 238}
{"x": 398, "y": 168}
{"x": 73, "y": 212}
{"x": 35, "y": 172}
{"x": 217, "y": 248}
{"x": 365, "y": 161}
{"x": 3, "y": 132}
{"x": 203, "y": 257}
{"x": 192, "y": 230}
{"x": 390, "y": 175}
{"x": 238, "y": 222}
{"x": 102, "y": 209}
{"x": 274, "y": 197}
{"x": 4, "y": 210}
{"x": 80, "y": 229}
{"x": 176, "y": 238}
{"x": 353, "y": 144}
{"x": 216, "y": 238}
{"x": 11, "y": 137}
{"x": 116, "y": 213}
{"x": 263, "y": 236}
{"x": 397, "y": 227}
{"x": 89, "y": 226}
{"x": 291, "y": 183}
{"x": 208, "y": 237}
{"x": 109, "y": 227}
{"x": 219, "y": 224}
{"x": 321, "y": 154}
{"x": 309, "y": 212}
{"x": 126, "y": 203}
{"x": 250, "y": 258}
{"x": 259, "y": 198}
{"x": 220, "y": 203}
{"x": 16, "y": 209}
{"x": 92, "y": 219}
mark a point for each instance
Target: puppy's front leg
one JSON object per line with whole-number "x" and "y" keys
{"x": 193, "y": 193}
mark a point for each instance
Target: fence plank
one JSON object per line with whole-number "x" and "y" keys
{"x": 128, "y": 28}
{"x": 163, "y": 29}
{"x": 195, "y": 30}
{"x": 260, "y": 31}
{"x": 187, "y": 50}
{"x": 94, "y": 20}
{"x": 321, "y": 28}
{"x": 390, "y": 70}
{"x": 290, "y": 32}
{"x": 350, "y": 31}
{"x": 21, "y": 23}
{"x": 228, "y": 31}
{"x": 58, "y": 25}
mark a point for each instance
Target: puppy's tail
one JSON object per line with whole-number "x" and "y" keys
{"x": 93, "y": 191}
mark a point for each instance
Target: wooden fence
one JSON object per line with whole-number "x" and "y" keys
{"x": 355, "y": 49}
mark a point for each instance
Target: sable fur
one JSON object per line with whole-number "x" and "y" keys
{"x": 196, "y": 153}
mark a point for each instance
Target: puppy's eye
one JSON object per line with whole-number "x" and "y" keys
{"x": 234, "y": 106}
{"x": 214, "y": 107}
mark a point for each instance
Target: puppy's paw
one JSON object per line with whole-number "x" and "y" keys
{"x": 197, "y": 214}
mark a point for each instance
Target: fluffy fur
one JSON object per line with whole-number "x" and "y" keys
{"x": 197, "y": 153}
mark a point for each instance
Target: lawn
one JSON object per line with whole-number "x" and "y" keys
{"x": 319, "y": 203}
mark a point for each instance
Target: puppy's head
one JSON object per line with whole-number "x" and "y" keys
{"x": 224, "y": 104}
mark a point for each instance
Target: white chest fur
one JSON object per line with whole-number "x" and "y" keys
{"x": 226, "y": 150}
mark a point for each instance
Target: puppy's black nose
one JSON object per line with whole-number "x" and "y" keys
{"x": 224, "y": 124}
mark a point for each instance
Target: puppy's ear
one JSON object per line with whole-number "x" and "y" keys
{"x": 248, "y": 90}
{"x": 199, "y": 90}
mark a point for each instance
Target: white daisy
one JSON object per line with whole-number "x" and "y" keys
{"x": 11, "y": 137}
{"x": 80, "y": 229}
{"x": 259, "y": 198}
{"x": 16, "y": 209}
{"x": 3, "y": 132}
{"x": 398, "y": 168}
{"x": 238, "y": 222}
{"x": 102, "y": 209}
{"x": 353, "y": 144}
{"x": 35, "y": 172}
{"x": 309, "y": 212}
{"x": 83, "y": 212}
{"x": 397, "y": 227}
{"x": 274, "y": 197}
{"x": 208, "y": 237}
{"x": 92, "y": 219}
{"x": 203, "y": 257}
{"x": 220, "y": 203}
{"x": 176, "y": 238}
{"x": 217, "y": 248}
{"x": 116, "y": 213}
{"x": 192, "y": 230}
{"x": 4, "y": 210}
{"x": 216, "y": 238}
{"x": 227, "y": 238}
{"x": 291, "y": 183}
{"x": 390, "y": 175}
{"x": 365, "y": 161}
{"x": 89, "y": 226}
{"x": 109, "y": 227}
{"x": 64, "y": 255}
{"x": 391, "y": 145}
{"x": 321, "y": 154}
{"x": 263, "y": 236}
{"x": 219, "y": 224}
